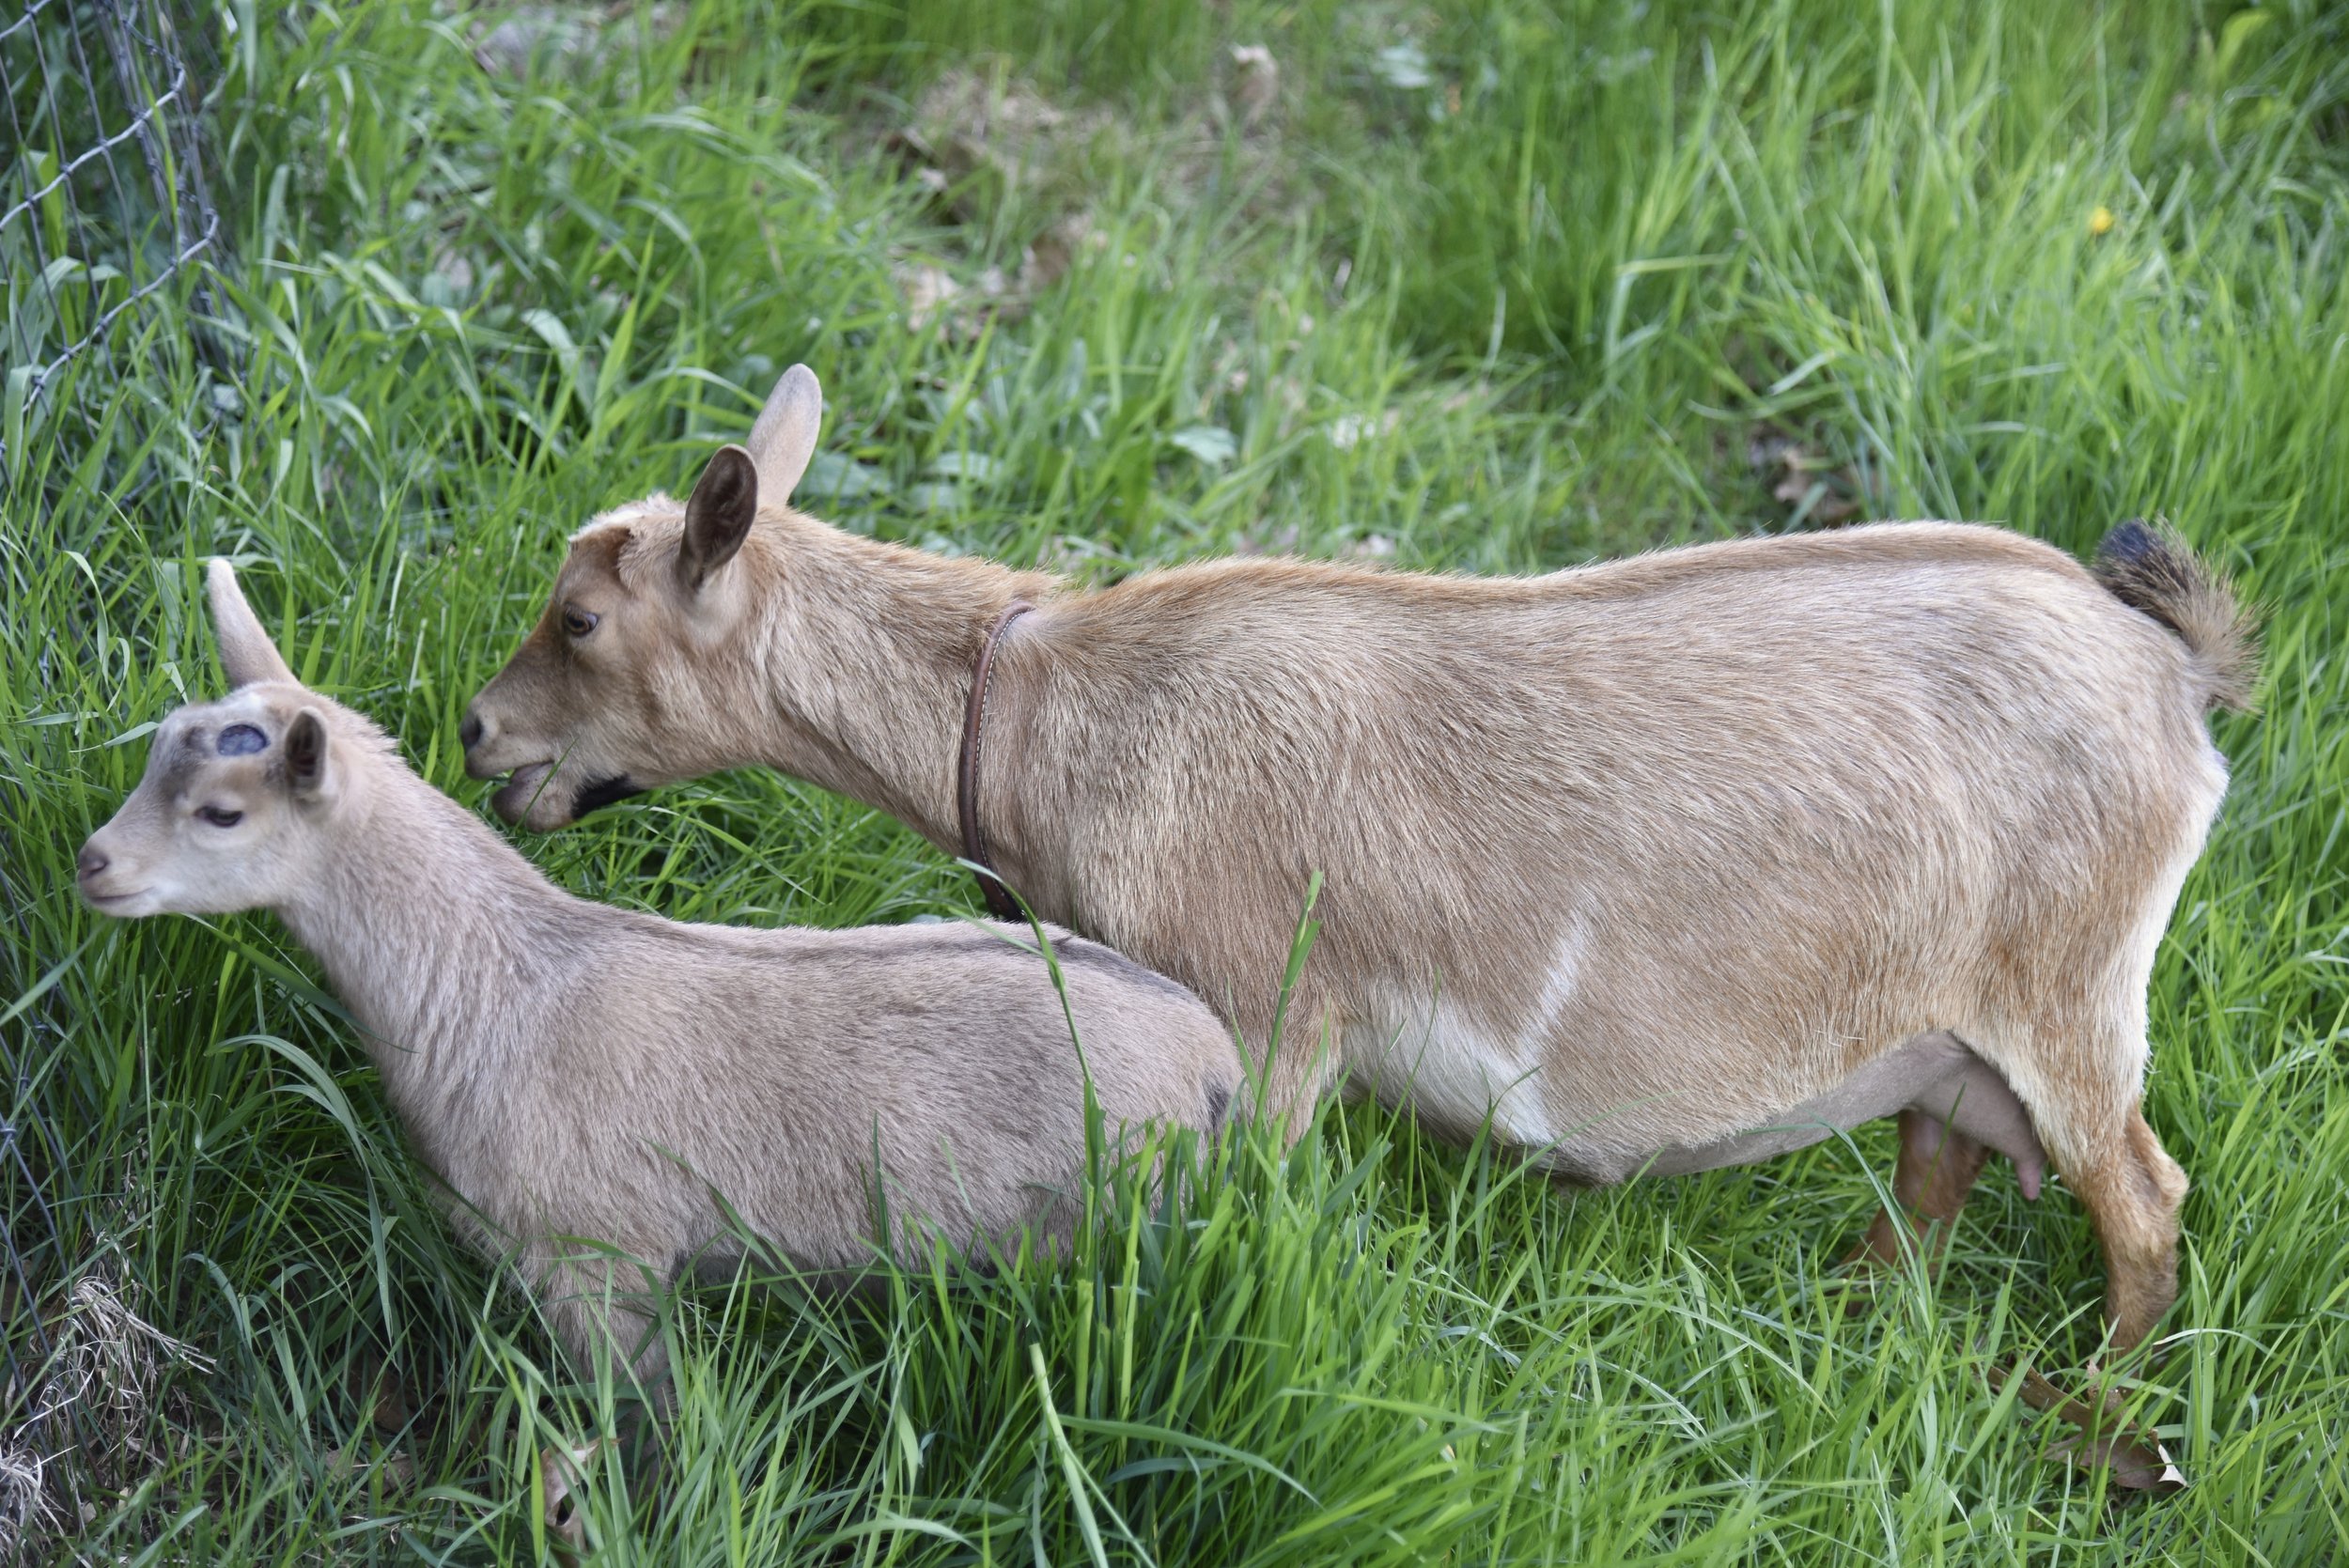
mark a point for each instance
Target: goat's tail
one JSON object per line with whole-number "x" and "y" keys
{"x": 2150, "y": 568}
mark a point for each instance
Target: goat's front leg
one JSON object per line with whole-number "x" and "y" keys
{"x": 600, "y": 1304}
{"x": 1288, "y": 1079}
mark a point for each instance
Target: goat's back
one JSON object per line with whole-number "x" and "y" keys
{"x": 1853, "y": 784}
{"x": 800, "y": 1074}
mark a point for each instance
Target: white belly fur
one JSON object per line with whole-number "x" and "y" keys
{"x": 1455, "y": 1074}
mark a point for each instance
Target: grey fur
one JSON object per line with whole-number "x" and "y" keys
{"x": 570, "y": 1070}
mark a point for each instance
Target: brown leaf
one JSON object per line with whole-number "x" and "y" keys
{"x": 1835, "y": 506}
{"x": 925, "y": 290}
{"x": 562, "y": 1487}
{"x": 374, "y": 1384}
{"x": 1048, "y": 260}
{"x": 1256, "y": 81}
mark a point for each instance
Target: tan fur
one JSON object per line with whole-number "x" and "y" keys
{"x": 1635, "y": 859}
{"x": 583, "y": 1076}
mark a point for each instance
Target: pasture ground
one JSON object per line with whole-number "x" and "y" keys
{"x": 1494, "y": 286}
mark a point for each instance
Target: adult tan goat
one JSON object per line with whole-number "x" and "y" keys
{"x": 586, "y": 1078}
{"x": 1660, "y": 864}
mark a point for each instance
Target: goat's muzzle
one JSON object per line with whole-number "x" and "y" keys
{"x": 475, "y": 735}
{"x": 92, "y": 867}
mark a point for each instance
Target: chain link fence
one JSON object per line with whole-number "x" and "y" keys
{"x": 107, "y": 203}
{"x": 107, "y": 232}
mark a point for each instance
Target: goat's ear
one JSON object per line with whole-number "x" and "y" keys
{"x": 784, "y": 438}
{"x": 717, "y": 516}
{"x": 309, "y": 756}
{"x": 246, "y": 654}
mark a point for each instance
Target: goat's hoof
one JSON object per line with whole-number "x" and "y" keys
{"x": 563, "y": 1493}
{"x": 2105, "y": 1438}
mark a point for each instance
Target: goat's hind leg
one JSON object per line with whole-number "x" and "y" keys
{"x": 2097, "y": 1135}
{"x": 2132, "y": 1189}
{"x": 2083, "y": 1085}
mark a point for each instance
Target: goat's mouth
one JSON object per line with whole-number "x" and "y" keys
{"x": 532, "y": 797}
{"x": 601, "y": 793}
{"x": 111, "y": 900}
{"x": 524, "y": 789}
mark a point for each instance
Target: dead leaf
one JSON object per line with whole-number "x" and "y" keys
{"x": 375, "y": 1384}
{"x": 925, "y": 290}
{"x": 562, "y": 1491}
{"x": 1818, "y": 499}
{"x": 1810, "y": 484}
{"x": 1256, "y": 81}
{"x": 976, "y": 134}
{"x": 969, "y": 120}
{"x": 561, "y": 37}
{"x": 963, "y": 310}
{"x": 1281, "y": 543}
{"x": 1054, "y": 250}
{"x": 1767, "y": 449}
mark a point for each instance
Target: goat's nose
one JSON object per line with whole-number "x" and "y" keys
{"x": 469, "y": 732}
{"x": 91, "y": 860}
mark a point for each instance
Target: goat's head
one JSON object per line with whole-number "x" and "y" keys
{"x": 608, "y": 695}
{"x": 234, "y": 810}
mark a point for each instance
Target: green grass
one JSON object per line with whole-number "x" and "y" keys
{"x": 1493, "y": 287}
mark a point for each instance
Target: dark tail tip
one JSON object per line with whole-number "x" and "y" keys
{"x": 2129, "y": 543}
{"x": 2150, "y": 568}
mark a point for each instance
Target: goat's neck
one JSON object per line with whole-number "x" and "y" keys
{"x": 863, "y": 669}
{"x": 439, "y": 939}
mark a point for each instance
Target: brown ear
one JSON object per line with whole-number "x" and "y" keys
{"x": 309, "y": 759}
{"x": 246, "y": 654}
{"x": 784, "y": 438}
{"x": 718, "y": 516}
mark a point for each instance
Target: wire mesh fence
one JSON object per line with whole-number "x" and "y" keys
{"x": 107, "y": 203}
{"x": 106, "y": 231}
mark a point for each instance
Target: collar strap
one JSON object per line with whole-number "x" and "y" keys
{"x": 1000, "y": 903}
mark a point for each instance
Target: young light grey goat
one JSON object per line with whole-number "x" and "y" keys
{"x": 577, "y": 1073}
{"x": 1658, "y": 864}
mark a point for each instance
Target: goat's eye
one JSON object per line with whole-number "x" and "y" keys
{"x": 578, "y": 622}
{"x": 220, "y": 819}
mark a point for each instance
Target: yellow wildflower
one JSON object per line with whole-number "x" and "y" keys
{"x": 2100, "y": 221}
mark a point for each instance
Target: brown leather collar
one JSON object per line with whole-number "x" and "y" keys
{"x": 1000, "y": 903}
